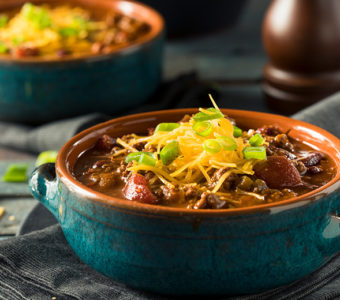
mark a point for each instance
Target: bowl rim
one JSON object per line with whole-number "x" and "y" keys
{"x": 157, "y": 30}
{"x": 76, "y": 186}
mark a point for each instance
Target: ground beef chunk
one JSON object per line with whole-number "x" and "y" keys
{"x": 213, "y": 201}
{"x": 217, "y": 175}
{"x": 148, "y": 175}
{"x": 122, "y": 170}
{"x": 273, "y": 195}
{"x": 100, "y": 166}
{"x": 245, "y": 183}
{"x": 139, "y": 146}
{"x": 259, "y": 186}
{"x": 269, "y": 130}
{"x": 275, "y": 151}
{"x": 105, "y": 143}
{"x": 191, "y": 192}
{"x": 151, "y": 148}
{"x": 107, "y": 179}
{"x": 282, "y": 141}
{"x": 104, "y": 180}
{"x": 171, "y": 195}
{"x": 230, "y": 181}
{"x": 209, "y": 200}
{"x": 300, "y": 167}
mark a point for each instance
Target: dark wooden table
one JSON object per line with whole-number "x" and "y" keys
{"x": 231, "y": 59}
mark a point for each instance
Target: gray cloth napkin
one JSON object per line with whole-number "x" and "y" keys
{"x": 41, "y": 265}
{"x": 46, "y": 137}
{"x": 325, "y": 114}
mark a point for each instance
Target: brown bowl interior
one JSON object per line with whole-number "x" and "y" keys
{"x": 313, "y": 136}
{"x": 98, "y": 8}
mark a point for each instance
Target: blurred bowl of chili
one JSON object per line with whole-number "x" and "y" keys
{"x": 36, "y": 89}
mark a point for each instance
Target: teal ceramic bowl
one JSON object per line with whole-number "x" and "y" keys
{"x": 203, "y": 252}
{"x": 34, "y": 90}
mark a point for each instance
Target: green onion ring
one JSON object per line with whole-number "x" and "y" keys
{"x": 254, "y": 152}
{"x": 146, "y": 159}
{"x": 256, "y": 140}
{"x": 203, "y": 128}
{"x": 237, "y": 132}
{"x": 211, "y": 146}
{"x": 227, "y": 143}
{"x": 169, "y": 153}
{"x": 215, "y": 114}
{"x": 135, "y": 156}
{"x": 166, "y": 127}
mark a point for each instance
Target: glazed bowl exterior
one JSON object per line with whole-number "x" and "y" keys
{"x": 36, "y": 90}
{"x": 180, "y": 251}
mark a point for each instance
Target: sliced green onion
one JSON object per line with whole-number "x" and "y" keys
{"x": 46, "y": 157}
{"x": 202, "y": 116}
{"x": 237, "y": 131}
{"x": 211, "y": 146}
{"x": 3, "y": 48}
{"x": 136, "y": 155}
{"x": 202, "y": 128}
{"x": 166, "y": 126}
{"x": 227, "y": 143}
{"x": 169, "y": 153}
{"x": 37, "y": 15}
{"x": 254, "y": 152}
{"x": 16, "y": 173}
{"x": 17, "y": 40}
{"x": 146, "y": 159}
{"x": 3, "y": 20}
{"x": 68, "y": 31}
{"x": 256, "y": 140}
{"x": 80, "y": 22}
{"x": 28, "y": 10}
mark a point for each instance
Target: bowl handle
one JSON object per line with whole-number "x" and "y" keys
{"x": 43, "y": 185}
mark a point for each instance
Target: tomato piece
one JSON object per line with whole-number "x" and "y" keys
{"x": 278, "y": 172}
{"x": 136, "y": 189}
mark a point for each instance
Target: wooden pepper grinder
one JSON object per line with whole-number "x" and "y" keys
{"x": 302, "y": 40}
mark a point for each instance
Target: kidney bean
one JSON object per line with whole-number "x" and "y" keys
{"x": 315, "y": 170}
{"x": 105, "y": 143}
{"x": 312, "y": 159}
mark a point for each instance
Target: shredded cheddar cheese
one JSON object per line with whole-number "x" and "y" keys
{"x": 194, "y": 163}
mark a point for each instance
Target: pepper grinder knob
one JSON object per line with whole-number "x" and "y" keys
{"x": 302, "y": 40}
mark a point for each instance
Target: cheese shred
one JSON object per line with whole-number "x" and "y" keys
{"x": 195, "y": 163}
